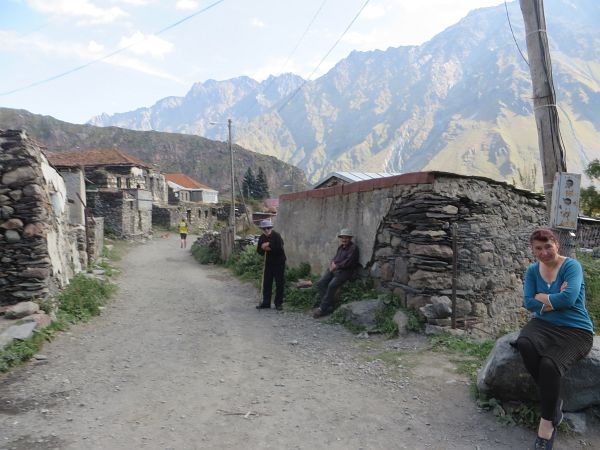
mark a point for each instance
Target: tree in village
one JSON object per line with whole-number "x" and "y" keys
{"x": 262, "y": 187}
{"x": 249, "y": 184}
{"x": 589, "y": 196}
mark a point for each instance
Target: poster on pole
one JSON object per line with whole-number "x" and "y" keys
{"x": 565, "y": 201}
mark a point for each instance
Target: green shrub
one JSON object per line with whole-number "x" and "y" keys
{"x": 81, "y": 300}
{"x": 247, "y": 264}
{"x": 472, "y": 353}
{"x": 205, "y": 255}
{"x": 384, "y": 316}
{"x": 84, "y": 297}
{"x": 591, "y": 271}
{"x": 297, "y": 273}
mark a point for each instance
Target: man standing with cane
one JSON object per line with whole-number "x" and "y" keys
{"x": 270, "y": 244}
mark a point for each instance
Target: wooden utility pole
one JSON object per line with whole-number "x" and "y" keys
{"x": 544, "y": 98}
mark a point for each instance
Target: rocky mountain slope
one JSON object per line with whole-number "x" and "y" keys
{"x": 460, "y": 102}
{"x": 202, "y": 159}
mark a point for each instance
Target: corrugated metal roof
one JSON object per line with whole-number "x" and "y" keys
{"x": 351, "y": 177}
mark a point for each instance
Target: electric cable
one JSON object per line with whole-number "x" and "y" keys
{"x": 513, "y": 34}
{"x": 113, "y": 53}
{"x": 291, "y": 97}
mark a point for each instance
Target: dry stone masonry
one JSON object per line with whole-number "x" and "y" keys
{"x": 404, "y": 227}
{"x": 39, "y": 251}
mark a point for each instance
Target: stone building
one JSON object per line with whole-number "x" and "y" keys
{"x": 41, "y": 248}
{"x": 119, "y": 187}
{"x": 414, "y": 230}
{"x": 189, "y": 200}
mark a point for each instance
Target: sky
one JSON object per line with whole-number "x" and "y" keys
{"x": 75, "y": 59}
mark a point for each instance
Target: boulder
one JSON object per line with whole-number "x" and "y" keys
{"x": 21, "y": 310}
{"x": 361, "y": 313}
{"x": 505, "y": 378}
{"x": 401, "y": 320}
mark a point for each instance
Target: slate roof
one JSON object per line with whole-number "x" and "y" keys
{"x": 185, "y": 182}
{"x": 95, "y": 157}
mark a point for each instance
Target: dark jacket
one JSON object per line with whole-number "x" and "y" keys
{"x": 346, "y": 258}
{"x": 276, "y": 255}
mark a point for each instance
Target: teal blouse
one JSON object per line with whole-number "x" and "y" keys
{"x": 569, "y": 305}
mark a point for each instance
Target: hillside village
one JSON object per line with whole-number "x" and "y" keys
{"x": 423, "y": 345}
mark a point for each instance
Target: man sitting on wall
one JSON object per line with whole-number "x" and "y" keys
{"x": 341, "y": 269}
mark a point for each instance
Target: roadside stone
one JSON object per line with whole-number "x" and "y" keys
{"x": 401, "y": 320}
{"x": 41, "y": 319}
{"x": 361, "y": 313}
{"x": 21, "y": 310}
{"x": 577, "y": 422}
{"x": 505, "y": 378}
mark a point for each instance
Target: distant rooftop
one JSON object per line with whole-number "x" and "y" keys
{"x": 94, "y": 157}
{"x": 351, "y": 177}
{"x": 185, "y": 182}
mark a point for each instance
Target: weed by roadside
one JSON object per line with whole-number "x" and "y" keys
{"x": 205, "y": 255}
{"x": 82, "y": 299}
{"x": 591, "y": 271}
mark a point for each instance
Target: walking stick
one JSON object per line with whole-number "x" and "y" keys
{"x": 262, "y": 281}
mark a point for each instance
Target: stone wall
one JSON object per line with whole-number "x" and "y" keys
{"x": 200, "y": 217}
{"x": 404, "y": 227}
{"x": 39, "y": 250}
{"x": 75, "y": 184}
{"x": 95, "y": 237}
{"x": 123, "y": 216}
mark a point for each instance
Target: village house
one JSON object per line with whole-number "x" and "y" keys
{"x": 190, "y": 200}
{"x": 119, "y": 187}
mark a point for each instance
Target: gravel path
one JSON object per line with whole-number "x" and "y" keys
{"x": 182, "y": 360}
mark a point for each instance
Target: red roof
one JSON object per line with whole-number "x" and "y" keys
{"x": 184, "y": 181}
{"x": 95, "y": 157}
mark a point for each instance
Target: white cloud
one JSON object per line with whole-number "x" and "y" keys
{"x": 186, "y": 4}
{"x": 257, "y": 23}
{"x": 95, "y": 48}
{"x": 133, "y": 2}
{"x": 149, "y": 44}
{"x": 77, "y": 8}
{"x": 373, "y": 12}
{"x": 273, "y": 67}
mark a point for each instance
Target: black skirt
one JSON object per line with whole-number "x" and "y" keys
{"x": 563, "y": 345}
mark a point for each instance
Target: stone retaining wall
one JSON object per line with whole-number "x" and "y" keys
{"x": 403, "y": 227}
{"x": 39, "y": 250}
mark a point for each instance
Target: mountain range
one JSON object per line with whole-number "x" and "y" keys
{"x": 460, "y": 102}
{"x": 202, "y": 159}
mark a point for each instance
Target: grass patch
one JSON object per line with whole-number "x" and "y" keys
{"x": 205, "y": 255}
{"x": 80, "y": 301}
{"x": 591, "y": 272}
{"x": 472, "y": 354}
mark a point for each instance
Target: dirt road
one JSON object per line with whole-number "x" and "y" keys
{"x": 182, "y": 360}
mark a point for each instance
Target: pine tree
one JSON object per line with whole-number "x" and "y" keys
{"x": 249, "y": 184}
{"x": 262, "y": 187}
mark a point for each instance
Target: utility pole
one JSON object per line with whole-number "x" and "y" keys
{"x": 232, "y": 212}
{"x": 544, "y": 98}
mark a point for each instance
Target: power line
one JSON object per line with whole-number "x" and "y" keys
{"x": 513, "y": 34}
{"x": 119, "y": 50}
{"x": 292, "y": 53}
{"x": 291, "y": 97}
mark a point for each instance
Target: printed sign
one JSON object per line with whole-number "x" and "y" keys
{"x": 565, "y": 201}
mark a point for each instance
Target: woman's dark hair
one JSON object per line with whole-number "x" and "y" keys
{"x": 543, "y": 235}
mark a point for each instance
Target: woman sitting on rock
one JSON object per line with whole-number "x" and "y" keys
{"x": 560, "y": 331}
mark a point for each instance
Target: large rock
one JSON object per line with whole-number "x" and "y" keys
{"x": 505, "y": 378}
{"x": 21, "y": 310}
{"x": 362, "y": 313}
